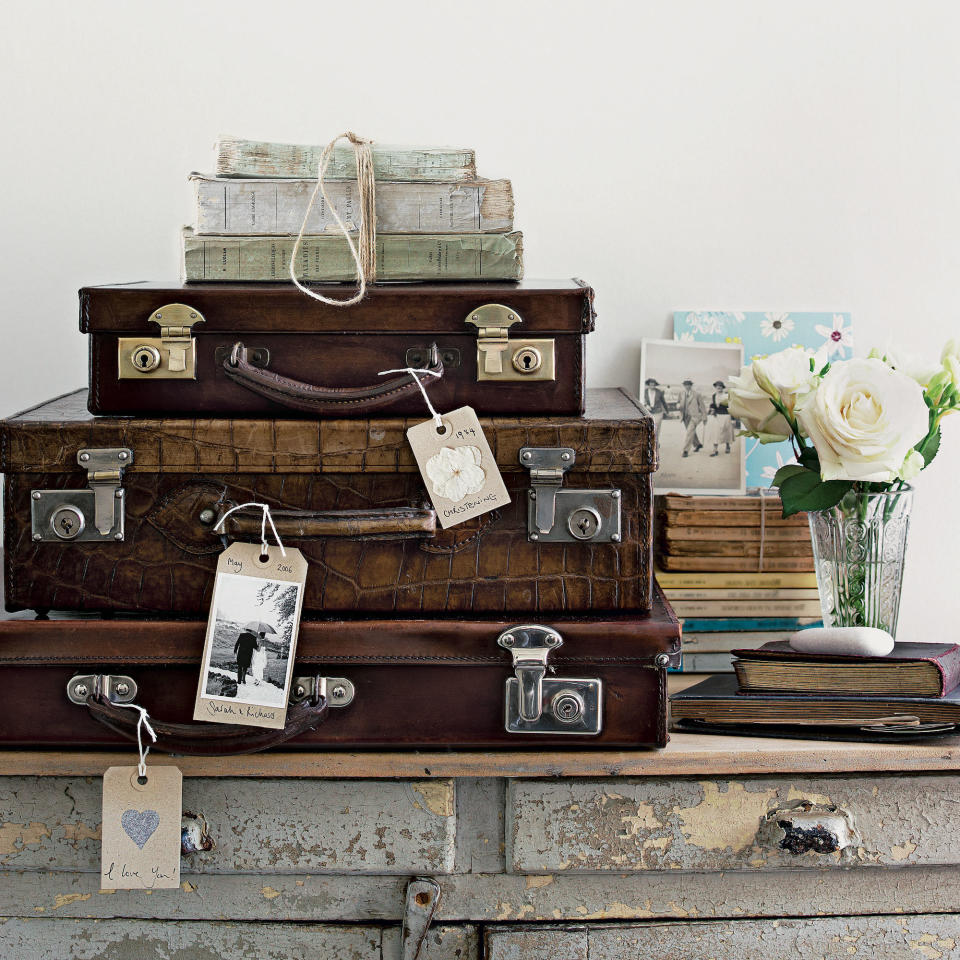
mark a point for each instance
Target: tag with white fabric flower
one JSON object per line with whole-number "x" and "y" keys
{"x": 460, "y": 472}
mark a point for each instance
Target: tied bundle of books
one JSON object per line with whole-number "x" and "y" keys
{"x": 913, "y": 689}
{"x": 735, "y": 572}
{"x": 435, "y": 219}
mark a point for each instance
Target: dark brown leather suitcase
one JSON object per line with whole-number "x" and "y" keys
{"x": 495, "y": 683}
{"x": 269, "y": 350}
{"x": 117, "y": 514}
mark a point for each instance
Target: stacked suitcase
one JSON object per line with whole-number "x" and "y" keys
{"x": 536, "y": 624}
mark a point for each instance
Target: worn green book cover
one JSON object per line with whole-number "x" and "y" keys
{"x": 475, "y": 256}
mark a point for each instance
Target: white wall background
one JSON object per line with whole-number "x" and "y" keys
{"x": 760, "y": 154}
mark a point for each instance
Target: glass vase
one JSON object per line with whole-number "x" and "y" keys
{"x": 859, "y": 548}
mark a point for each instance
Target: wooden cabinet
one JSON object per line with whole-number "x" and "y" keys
{"x": 712, "y": 848}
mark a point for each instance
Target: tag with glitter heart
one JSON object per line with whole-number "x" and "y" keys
{"x": 460, "y": 472}
{"x": 140, "y": 846}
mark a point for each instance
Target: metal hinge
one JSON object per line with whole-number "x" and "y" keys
{"x": 339, "y": 691}
{"x": 94, "y": 514}
{"x": 171, "y": 356}
{"x": 117, "y": 687}
{"x": 535, "y": 703}
{"x": 499, "y": 357}
{"x": 559, "y": 515}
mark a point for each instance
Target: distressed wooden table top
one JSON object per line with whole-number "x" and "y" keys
{"x": 687, "y": 755}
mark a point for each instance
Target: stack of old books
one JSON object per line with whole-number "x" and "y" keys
{"x": 736, "y": 573}
{"x": 913, "y": 689}
{"x": 435, "y": 218}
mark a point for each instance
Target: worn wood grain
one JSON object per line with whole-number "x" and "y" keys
{"x": 279, "y": 826}
{"x": 673, "y": 895}
{"x": 41, "y": 939}
{"x": 625, "y": 825}
{"x": 935, "y": 937}
{"x": 686, "y": 755}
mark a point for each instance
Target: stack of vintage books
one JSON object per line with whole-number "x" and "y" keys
{"x": 736, "y": 573}
{"x": 435, "y": 218}
{"x": 913, "y": 689}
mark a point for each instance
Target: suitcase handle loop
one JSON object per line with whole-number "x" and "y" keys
{"x": 327, "y": 401}
{"x": 389, "y": 523}
{"x": 209, "y": 739}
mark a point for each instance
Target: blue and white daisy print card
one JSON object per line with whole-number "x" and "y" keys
{"x": 762, "y": 333}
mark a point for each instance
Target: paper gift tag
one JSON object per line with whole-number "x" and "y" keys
{"x": 140, "y": 846}
{"x": 247, "y": 664}
{"x": 460, "y": 472}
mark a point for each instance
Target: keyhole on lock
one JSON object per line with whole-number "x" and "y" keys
{"x": 146, "y": 358}
{"x": 67, "y": 522}
{"x": 584, "y": 523}
{"x": 527, "y": 360}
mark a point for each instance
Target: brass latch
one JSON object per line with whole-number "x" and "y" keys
{"x": 94, "y": 514}
{"x": 171, "y": 356}
{"x": 499, "y": 357}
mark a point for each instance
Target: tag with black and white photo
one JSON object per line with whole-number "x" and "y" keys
{"x": 140, "y": 835}
{"x": 460, "y": 472}
{"x": 247, "y": 664}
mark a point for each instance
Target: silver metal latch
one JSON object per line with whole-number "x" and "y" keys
{"x": 563, "y": 515}
{"x": 499, "y": 357}
{"x": 116, "y": 687}
{"x": 339, "y": 691}
{"x": 422, "y": 899}
{"x": 536, "y": 703}
{"x": 90, "y": 515}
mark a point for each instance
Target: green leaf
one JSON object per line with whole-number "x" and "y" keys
{"x": 929, "y": 447}
{"x": 788, "y": 471}
{"x": 807, "y": 492}
{"x": 808, "y": 458}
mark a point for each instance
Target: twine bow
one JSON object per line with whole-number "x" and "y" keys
{"x": 366, "y": 257}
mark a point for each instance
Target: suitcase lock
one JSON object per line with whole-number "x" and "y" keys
{"x": 87, "y": 516}
{"x": 499, "y": 357}
{"x": 171, "y": 356}
{"x": 564, "y": 515}
{"x": 536, "y": 703}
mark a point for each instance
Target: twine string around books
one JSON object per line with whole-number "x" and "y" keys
{"x": 364, "y": 252}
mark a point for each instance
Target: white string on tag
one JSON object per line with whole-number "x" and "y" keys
{"x": 413, "y": 371}
{"x": 366, "y": 258}
{"x": 267, "y": 517}
{"x": 143, "y": 723}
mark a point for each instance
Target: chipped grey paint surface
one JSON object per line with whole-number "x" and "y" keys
{"x": 935, "y": 937}
{"x": 277, "y": 826}
{"x": 626, "y": 825}
{"x": 151, "y": 940}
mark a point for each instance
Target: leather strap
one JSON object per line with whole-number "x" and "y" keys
{"x": 390, "y": 523}
{"x": 326, "y": 401}
{"x": 208, "y": 739}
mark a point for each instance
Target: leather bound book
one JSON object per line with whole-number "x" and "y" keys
{"x": 910, "y": 670}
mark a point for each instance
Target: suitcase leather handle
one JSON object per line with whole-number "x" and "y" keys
{"x": 391, "y": 523}
{"x": 326, "y": 401}
{"x": 209, "y": 739}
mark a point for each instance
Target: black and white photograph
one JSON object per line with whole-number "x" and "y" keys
{"x": 684, "y": 385}
{"x": 249, "y": 639}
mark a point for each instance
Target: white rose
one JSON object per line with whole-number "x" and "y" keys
{"x": 912, "y": 364}
{"x": 752, "y": 407}
{"x": 864, "y": 419}
{"x": 788, "y": 376}
{"x": 912, "y": 465}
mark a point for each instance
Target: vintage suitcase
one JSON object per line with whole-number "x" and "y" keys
{"x": 117, "y": 514}
{"x": 270, "y": 350}
{"x": 584, "y": 682}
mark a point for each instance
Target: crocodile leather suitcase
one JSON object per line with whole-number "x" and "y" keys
{"x": 118, "y": 514}
{"x": 270, "y": 350}
{"x": 499, "y": 682}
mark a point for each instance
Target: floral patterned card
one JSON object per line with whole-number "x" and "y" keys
{"x": 763, "y": 333}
